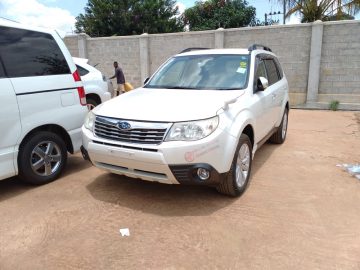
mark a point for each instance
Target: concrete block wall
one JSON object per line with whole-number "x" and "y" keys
{"x": 321, "y": 60}
{"x": 340, "y": 61}
{"x": 126, "y": 51}
{"x": 290, "y": 44}
{"x": 161, "y": 47}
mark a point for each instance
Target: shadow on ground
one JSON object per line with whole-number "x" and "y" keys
{"x": 14, "y": 186}
{"x": 162, "y": 199}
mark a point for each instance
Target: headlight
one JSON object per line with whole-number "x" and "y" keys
{"x": 192, "y": 131}
{"x": 89, "y": 121}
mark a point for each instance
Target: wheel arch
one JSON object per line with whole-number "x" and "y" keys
{"x": 249, "y": 131}
{"x": 56, "y": 129}
{"x": 95, "y": 97}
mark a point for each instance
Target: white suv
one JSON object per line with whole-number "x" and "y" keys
{"x": 198, "y": 120}
{"x": 98, "y": 89}
{"x": 43, "y": 103}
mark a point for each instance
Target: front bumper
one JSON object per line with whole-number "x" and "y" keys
{"x": 169, "y": 162}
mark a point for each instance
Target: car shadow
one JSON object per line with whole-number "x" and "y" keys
{"x": 13, "y": 186}
{"x": 166, "y": 200}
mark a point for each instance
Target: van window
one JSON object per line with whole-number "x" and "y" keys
{"x": 28, "y": 53}
{"x": 271, "y": 71}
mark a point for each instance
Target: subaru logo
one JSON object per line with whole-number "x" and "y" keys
{"x": 123, "y": 125}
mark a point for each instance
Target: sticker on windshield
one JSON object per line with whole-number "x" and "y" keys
{"x": 241, "y": 70}
{"x": 243, "y": 64}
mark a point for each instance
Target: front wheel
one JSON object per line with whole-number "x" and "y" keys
{"x": 42, "y": 158}
{"x": 237, "y": 178}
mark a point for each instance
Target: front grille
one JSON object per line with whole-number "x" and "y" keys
{"x": 139, "y": 132}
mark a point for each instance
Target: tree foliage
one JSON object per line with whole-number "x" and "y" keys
{"x": 128, "y": 17}
{"x": 213, "y": 14}
{"x": 312, "y": 10}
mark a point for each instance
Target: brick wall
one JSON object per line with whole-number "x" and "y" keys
{"x": 340, "y": 61}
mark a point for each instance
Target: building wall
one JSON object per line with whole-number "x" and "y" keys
{"x": 340, "y": 61}
{"x": 339, "y": 77}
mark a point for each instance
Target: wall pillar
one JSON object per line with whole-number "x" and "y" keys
{"x": 315, "y": 62}
{"x": 219, "y": 38}
{"x": 144, "y": 57}
{"x": 82, "y": 45}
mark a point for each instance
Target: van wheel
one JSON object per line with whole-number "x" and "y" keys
{"x": 91, "y": 104}
{"x": 42, "y": 158}
{"x": 280, "y": 135}
{"x": 237, "y": 178}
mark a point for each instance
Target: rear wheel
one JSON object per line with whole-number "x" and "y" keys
{"x": 91, "y": 103}
{"x": 280, "y": 135}
{"x": 237, "y": 178}
{"x": 42, "y": 158}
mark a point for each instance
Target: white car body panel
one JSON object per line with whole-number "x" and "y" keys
{"x": 31, "y": 102}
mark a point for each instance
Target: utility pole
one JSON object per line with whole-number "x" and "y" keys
{"x": 284, "y": 11}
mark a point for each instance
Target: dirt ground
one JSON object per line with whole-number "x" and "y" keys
{"x": 299, "y": 212}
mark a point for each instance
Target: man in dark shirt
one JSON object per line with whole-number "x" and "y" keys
{"x": 120, "y": 79}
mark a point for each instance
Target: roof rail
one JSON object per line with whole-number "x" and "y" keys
{"x": 257, "y": 46}
{"x": 193, "y": 49}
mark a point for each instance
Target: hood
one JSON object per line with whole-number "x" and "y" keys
{"x": 166, "y": 105}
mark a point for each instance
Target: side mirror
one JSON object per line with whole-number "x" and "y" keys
{"x": 146, "y": 80}
{"x": 261, "y": 84}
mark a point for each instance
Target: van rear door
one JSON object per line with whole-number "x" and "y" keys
{"x": 10, "y": 126}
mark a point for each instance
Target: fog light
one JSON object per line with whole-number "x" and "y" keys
{"x": 203, "y": 174}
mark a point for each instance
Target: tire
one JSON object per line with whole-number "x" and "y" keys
{"x": 91, "y": 103}
{"x": 42, "y": 158}
{"x": 230, "y": 186}
{"x": 280, "y": 135}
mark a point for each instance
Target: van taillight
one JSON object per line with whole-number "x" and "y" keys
{"x": 82, "y": 96}
{"x": 76, "y": 76}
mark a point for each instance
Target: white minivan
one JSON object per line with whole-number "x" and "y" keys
{"x": 43, "y": 103}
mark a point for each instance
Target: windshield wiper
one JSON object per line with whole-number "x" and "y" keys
{"x": 229, "y": 88}
{"x": 179, "y": 87}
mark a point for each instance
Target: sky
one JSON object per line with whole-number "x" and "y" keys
{"x": 61, "y": 14}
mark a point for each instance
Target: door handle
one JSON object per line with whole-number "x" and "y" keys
{"x": 273, "y": 96}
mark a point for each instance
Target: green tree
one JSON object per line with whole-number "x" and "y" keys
{"x": 213, "y": 14}
{"x": 312, "y": 10}
{"x": 128, "y": 17}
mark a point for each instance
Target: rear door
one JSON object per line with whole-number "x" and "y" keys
{"x": 10, "y": 126}
{"x": 276, "y": 87}
{"x": 263, "y": 103}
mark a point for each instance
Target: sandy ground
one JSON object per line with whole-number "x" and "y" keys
{"x": 299, "y": 212}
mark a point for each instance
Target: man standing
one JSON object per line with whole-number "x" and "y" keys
{"x": 120, "y": 79}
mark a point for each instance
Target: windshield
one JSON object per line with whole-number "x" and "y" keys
{"x": 211, "y": 72}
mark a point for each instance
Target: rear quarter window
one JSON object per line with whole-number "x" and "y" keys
{"x": 272, "y": 72}
{"x": 28, "y": 53}
{"x": 82, "y": 71}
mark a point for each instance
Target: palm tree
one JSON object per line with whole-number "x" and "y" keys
{"x": 312, "y": 10}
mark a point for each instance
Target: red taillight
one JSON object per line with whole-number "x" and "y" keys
{"x": 80, "y": 89}
{"x": 76, "y": 76}
{"x": 82, "y": 96}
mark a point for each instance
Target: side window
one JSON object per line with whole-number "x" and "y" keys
{"x": 29, "y": 53}
{"x": 260, "y": 70}
{"x": 82, "y": 71}
{"x": 272, "y": 71}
